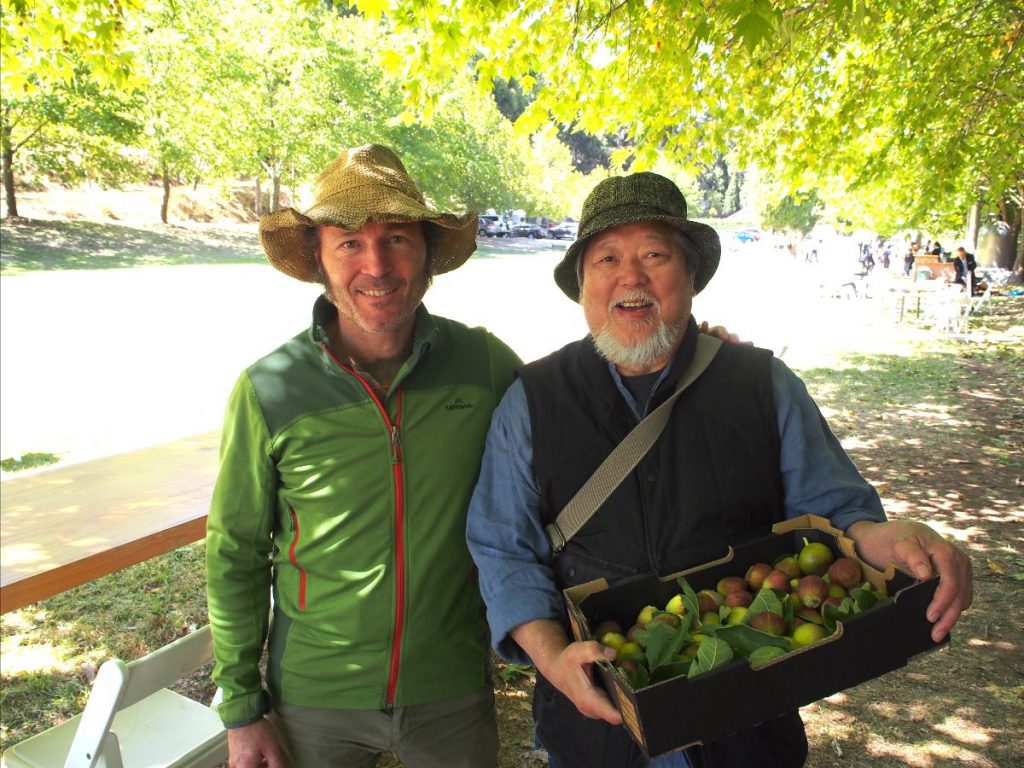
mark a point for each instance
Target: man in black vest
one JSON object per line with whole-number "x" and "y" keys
{"x": 744, "y": 447}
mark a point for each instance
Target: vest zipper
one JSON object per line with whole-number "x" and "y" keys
{"x": 394, "y": 430}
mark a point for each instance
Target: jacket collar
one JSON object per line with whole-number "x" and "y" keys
{"x": 424, "y": 333}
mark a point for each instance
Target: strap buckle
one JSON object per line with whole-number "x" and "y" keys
{"x": 556, "y": 538}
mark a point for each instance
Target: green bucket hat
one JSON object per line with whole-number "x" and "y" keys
{"x": 365, "y": 184}
{"x": 629, "y": 199}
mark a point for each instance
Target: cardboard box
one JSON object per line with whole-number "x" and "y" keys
{"x": 680, "y": 712}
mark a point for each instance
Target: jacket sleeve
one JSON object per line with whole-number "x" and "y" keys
{"x": 238, "y": 550}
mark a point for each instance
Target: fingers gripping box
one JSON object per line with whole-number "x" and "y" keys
{"x": 682, "y": 711}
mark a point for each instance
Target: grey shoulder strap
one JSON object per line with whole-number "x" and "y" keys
{"x": 626, "y": 455}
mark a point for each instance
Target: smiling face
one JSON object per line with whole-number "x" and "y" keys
{"x": 637, "y": 293}
{"x": 376, "y": 276}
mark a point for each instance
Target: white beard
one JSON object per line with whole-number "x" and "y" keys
{"x": 657, "y": 347}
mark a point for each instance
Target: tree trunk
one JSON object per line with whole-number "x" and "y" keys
{"x": 8, "y": 172}
{"x": 275, "y": 203}
{"x": 257, "y": 202}
{"x": 166, "y": 201}
{"x": 973, "y": 221}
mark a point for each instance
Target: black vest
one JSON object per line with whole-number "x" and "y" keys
{"x": 711, "y": 480}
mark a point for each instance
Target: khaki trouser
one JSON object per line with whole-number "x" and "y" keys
{"x": 453, "y": 733}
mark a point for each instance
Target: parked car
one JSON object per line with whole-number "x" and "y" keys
{"x": 748, "y": 235}
{"x": 492, "y": 226}
{"x": 565, "y": 230}
{"x": 526, "y": 229}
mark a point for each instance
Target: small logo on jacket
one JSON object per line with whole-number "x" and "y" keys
{"x": 458, "y": 404}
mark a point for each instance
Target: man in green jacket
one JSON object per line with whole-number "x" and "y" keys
{"x": 348, "y": 458}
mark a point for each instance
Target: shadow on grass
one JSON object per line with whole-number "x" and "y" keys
{"x": 29, "y": 245}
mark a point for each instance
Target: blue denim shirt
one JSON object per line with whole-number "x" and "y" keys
{"x": 507, "y": 539}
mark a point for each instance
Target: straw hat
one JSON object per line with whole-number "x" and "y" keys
{"x": 365, "y": 184}
{"x": 635, "y": 198}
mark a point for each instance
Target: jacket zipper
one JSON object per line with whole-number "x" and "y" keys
{"x": 294, "y": 561}
{"x": 396, "y": 474}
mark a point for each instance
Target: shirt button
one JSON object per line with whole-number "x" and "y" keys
{"x": 651, "y": 477}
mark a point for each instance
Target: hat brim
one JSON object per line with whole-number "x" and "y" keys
{"x": 705, "y": 241}
{"x": 450, "y": 238}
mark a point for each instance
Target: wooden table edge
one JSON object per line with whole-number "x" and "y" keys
{"x": 31, "y": 589}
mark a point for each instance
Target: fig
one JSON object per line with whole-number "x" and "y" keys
{"x": 646, "y": 614}
{"x": 672, "y": 619}
{"x": 834, "y": 590}
{"x": 806, "y": 634}
{"x": 711, "y": 618}
{"x": 741, "y": 599}
{"x": 815, "y": 558}
{"x": 755, "y": 575}
{"x": 846, "y": 572}
{"x": 607, "y": 625}
{"x": 812, "y": 591}
{"x": 708, "y": 600}
{"x": 735, "y": 616}
{"x": 612, "y": 639}
{"x": 769, "y": 622}
{"x": 731, "y": 584}
{"x": 777, "y": 580}
{"x": 629, "y": 648}
{"x": 675, "y": 605}
{"x": 790, "y": 566}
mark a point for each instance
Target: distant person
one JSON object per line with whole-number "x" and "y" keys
{"x": 964, "y": 266}
{"x": 908, "y": 259}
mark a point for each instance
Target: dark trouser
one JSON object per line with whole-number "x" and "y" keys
{"x": 575, "y": 741}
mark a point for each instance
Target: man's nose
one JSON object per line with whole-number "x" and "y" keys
{"x": 376, "y": 259}
{"x": 632, "y": 272}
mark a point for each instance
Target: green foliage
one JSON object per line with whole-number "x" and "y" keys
{"x": 43, "y": 44}
{"x": 712, "y": 654}
{"x": 797, "y": 213}
{"x": 511, "y": 673}
{"x": 890, "y": 120}
{"x": 28, "y": 461}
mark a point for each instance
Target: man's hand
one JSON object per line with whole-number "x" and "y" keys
{"x": 921, "y": 551}
{"x": 255, "y": 746}
{"x": 721, "y": 332}
{"x": 568, "y": 666}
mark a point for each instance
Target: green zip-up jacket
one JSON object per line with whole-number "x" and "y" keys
{"x": 353, "y": 509}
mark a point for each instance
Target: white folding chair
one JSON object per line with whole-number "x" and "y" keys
{"x": 132, "y": 720}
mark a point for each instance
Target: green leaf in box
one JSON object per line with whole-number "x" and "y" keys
{"x": 712, "y": 654}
